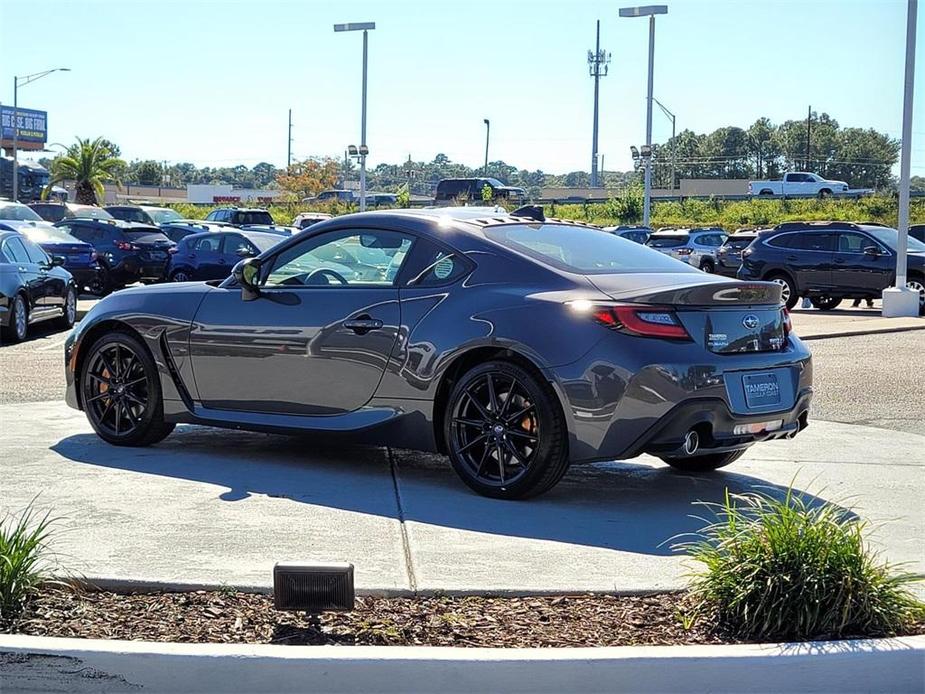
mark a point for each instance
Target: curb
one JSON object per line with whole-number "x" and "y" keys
{"x": 33, "y": 663}
{"x": 856, "y": 333}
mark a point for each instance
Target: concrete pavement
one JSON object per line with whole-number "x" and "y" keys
{"x": 213, "y": 506}
{"x": 812, "y": 324}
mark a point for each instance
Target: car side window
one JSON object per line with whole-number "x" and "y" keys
{"x": 367, "y": 258}
{"x": 433, "y": 265}
{"x": 849, "y": 242}
{"x": 35, "y": 253}
{"x": 14, "y": 250}
{"x": 235, "y": 244}
{"x": 207, "y": 244}
{"x": 816, "y": 242}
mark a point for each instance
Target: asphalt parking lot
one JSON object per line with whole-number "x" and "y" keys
{"x": 213, "y": 506}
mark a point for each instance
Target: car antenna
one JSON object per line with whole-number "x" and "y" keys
{"x": 530, "y": 212}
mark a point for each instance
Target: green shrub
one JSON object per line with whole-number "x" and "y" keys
{"x": 24, "y": 559}
{"x": 791, "y": 569}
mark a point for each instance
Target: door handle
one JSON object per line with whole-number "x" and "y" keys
{"x": 839, "y": 261}
{"x": 362, "y": 324}
{"x": 792, "y": 257}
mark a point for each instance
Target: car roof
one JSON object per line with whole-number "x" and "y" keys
{"x": 829, "y": 226}
{"x": 241, "y": 209}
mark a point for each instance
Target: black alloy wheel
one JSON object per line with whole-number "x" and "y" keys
{"x": 120, "y": 392}
{"x": 825, "y": 302}
{"x": 19, "y": 321}
{"x": 69, "y": 310}
{"x": 505, "y": 432}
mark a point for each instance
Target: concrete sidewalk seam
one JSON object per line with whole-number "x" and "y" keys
{"x": 860, "y": 333}
{"x": 405, "y": 544}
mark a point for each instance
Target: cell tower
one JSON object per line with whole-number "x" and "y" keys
{"x": 598, "y": 61}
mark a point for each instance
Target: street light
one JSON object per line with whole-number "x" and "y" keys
{"x": 674, "y": 145}
{"x": 903, "y": 300}
{"x": 487, "y": 131}
{"x": 365, "y": 27}
{"x": 647, "y": 11}
{"x": 17, "y": 82}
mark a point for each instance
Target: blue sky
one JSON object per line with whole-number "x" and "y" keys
{"x": 211, "y": 82}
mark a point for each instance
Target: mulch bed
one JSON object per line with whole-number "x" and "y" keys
{"x": 233, "y": 617}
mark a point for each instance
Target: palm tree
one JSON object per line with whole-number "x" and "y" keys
{"x": 89, "y": 164}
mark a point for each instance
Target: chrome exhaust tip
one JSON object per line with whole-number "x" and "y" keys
{"x": 691, "y": 442}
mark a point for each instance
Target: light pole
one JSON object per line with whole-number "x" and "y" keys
{"x": 487, "y": 131}
{"x": 17, "y": 82}
{"x": 903, "y": 300}
{"x": 647, "y": 11}
{"x": 365, "y": 27}
{"x": 598, "y": 61}
{"x": 674, "y": 145}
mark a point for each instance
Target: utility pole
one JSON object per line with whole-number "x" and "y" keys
{"x": 809, "y": 126}
{"x": 598, "y": 61}
{"x": 289, "y": 144}
{"x": 487, "y": 133}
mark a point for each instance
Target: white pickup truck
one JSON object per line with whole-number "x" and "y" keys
{"x": 799, "y": 184}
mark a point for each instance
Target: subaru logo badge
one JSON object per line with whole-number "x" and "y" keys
{"x": 750, "y": 321}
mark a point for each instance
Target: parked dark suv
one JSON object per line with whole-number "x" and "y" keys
{"x": 831, "y": 261}
{"x": 127, "y": 252}
{"x": 470, "y": 189}
{"x": 240, "y": 216}
{"x": 917, "y": 232}
{"x": 729, "y": 255}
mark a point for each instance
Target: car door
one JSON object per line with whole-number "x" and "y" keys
{"x": 855, "y": 270}
{"x": 51, "y": 285}
{"x": 793, "y": 183}
{"x": 205, "y": 255}
{"x": 314, "y": 342}
{"x": 234, "y": 248}
{"x": 15, "y": 251}
{"x": 811, "y": 258}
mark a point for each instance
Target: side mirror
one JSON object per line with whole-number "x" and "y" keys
{"x": 58, "y": 260}
{"x": 247, "y": 274}
{"x": 872, "y": 251}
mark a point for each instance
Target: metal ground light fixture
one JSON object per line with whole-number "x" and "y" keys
{"x": 313, "y": 588}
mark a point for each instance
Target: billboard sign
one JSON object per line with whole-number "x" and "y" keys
{"x": 32, "y": 125}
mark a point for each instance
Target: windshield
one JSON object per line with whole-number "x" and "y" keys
{"x": 48, "y": 235}
{"x": 90, "y": 212}
{"x": 583, "y": 249}
{"x": 888, "y": 237}
{"x": 666, "y": 241}
{"x": 19, "y": 213}
{"x": 256, "y": 217}
{"x": 164, "y": 216}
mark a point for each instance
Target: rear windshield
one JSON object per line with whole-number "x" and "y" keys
{"x": 582, "y": 249}
{"x": 90, "y": 212}
{"x": 129, "y": 214}
{"x": 666, "y": 241}
{"x": 258, "y": 217}
{"x": 48, "y": 235}
{"x": 738, "y": 243}
{"x": 265, "y": 242}
{"x": 146, "y": 235}
{"x": 18, "y": 213}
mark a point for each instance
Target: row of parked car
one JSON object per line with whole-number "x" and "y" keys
{"x": 826, "y": 262}
{"x": 52, "y": 252}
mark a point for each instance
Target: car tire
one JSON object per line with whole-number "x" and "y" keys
{"x": 825, "y": 193}
{"x": 703, "y": 463}
{"x": 917, "y": 283}
{"x": 66, "y": 321}
{"x": 18, "y": 329}
{"x": 120, "y": 392}
{"x": 708, "y": 267}
{"x": 788, "y": 290}
{"x": 180, "y": 276}
{"x": 497, "y": 450}
{"x": 825, "y": 303}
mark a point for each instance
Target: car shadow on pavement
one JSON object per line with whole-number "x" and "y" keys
{"x": 641, "y": 507}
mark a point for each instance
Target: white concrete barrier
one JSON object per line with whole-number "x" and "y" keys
{"x": 30, "y": 664}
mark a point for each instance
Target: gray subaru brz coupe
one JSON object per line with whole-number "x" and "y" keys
{"x": 515, "y": 344}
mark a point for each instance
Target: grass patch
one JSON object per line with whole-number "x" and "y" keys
{"x": 24, "y": 560}
{"x": 791, "y": 570}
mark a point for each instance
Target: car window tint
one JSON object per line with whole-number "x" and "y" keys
{"x": 816, "y": 242}
{"x": 35, "y": 253}
{"x": 854, "y": 243}
{"x": 435, "y": 266}
{"x": 371, "y": 257}
{"x": 15, "y": 251}
{"x": 666, "y": 241}
{"x": 236, "y": 244}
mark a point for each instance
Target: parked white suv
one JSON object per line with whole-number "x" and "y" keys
{"x": 798, "y": 183}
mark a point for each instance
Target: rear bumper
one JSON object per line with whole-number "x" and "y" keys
{"x": 85, "y": 277}
{"x": 631, "y": 397}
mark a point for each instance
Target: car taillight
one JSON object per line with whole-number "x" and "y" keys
{"x": 787, "y": 323}
{"x": 172, "y": 250}
{"x": 124, "y": 246}
{"x": 684, "y": 251}
{"x": 643, "y": 321}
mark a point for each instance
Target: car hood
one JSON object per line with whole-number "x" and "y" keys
{"x": 685, "y": 288}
